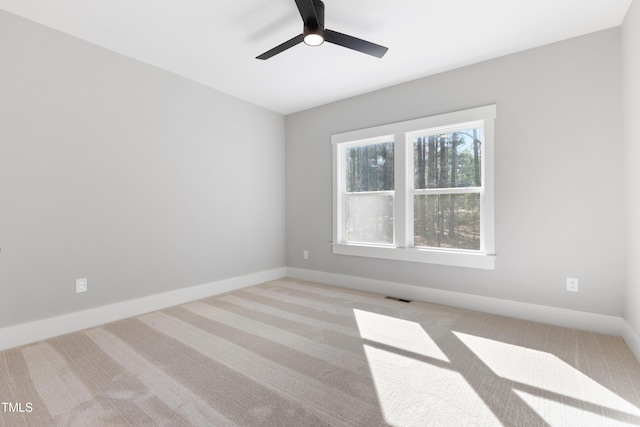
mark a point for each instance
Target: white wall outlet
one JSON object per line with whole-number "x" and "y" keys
{"x": 572, "y": 284}
{"x": 81, "y": 285}
{"x": 305, "y": 254}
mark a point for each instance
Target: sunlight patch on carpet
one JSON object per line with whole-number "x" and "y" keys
{"x": 555, "y": 381}
{"x": 558, "y": 413}
{"x": 397, "y": 333}
{"x": 413, "y": 378}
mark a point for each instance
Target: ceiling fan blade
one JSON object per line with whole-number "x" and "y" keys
{"x": 282, "y": 47}
{"x": 355, "y": 43}
{"x": 308, "y": 13}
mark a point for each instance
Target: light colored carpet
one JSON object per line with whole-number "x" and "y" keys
{"x": 292, "y": 353}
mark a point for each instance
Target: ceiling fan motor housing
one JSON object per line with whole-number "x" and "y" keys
{"x": 310, "y": 27}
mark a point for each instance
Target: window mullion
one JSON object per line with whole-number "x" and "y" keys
{"x": 402, "y": 222}
{"x": 410, "y": 190}
{"x": 338, "y": 193}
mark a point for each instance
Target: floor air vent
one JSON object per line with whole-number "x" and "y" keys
{"x": 398, "y": 299}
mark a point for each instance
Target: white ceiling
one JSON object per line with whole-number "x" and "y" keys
{"x": 215, "y": 42}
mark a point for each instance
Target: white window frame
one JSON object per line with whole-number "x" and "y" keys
{"x": 401, "y": 134}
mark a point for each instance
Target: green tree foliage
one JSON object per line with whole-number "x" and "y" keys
{"x": 369, "y": 168}
{"x": 449, "y": 160}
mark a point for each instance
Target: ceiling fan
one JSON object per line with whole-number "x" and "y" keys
{"x": 314, "y": 33}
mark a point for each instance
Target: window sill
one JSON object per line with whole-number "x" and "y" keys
{"x": 429, "y": 256}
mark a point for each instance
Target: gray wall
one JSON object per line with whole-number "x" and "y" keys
{"x": 559, "y": 175}
{"x": 631, "y": 85}
{"x": 135, "y": 178}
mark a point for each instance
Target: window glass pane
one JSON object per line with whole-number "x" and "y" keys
{"x": 448, "y": 160}
{"x": 369, "y": 218}
{"x": 447, "y": 221}
{"x": 369, "y": 167}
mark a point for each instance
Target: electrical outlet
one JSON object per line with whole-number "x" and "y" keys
{"x": 305, "y": 254}
{"x": 572, "y": 284}
{"x": 81, "y": 285}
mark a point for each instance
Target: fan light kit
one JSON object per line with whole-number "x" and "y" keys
{"x": 314, "y": 33}
{"x": 313, "y": 39}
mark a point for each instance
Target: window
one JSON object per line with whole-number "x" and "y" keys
{"x": 420, "y": 190}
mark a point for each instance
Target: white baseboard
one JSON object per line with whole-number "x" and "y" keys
{"x": 592, "y": 322}
{"x": 632, "y": 339}
{"x": 26, "y": 333}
